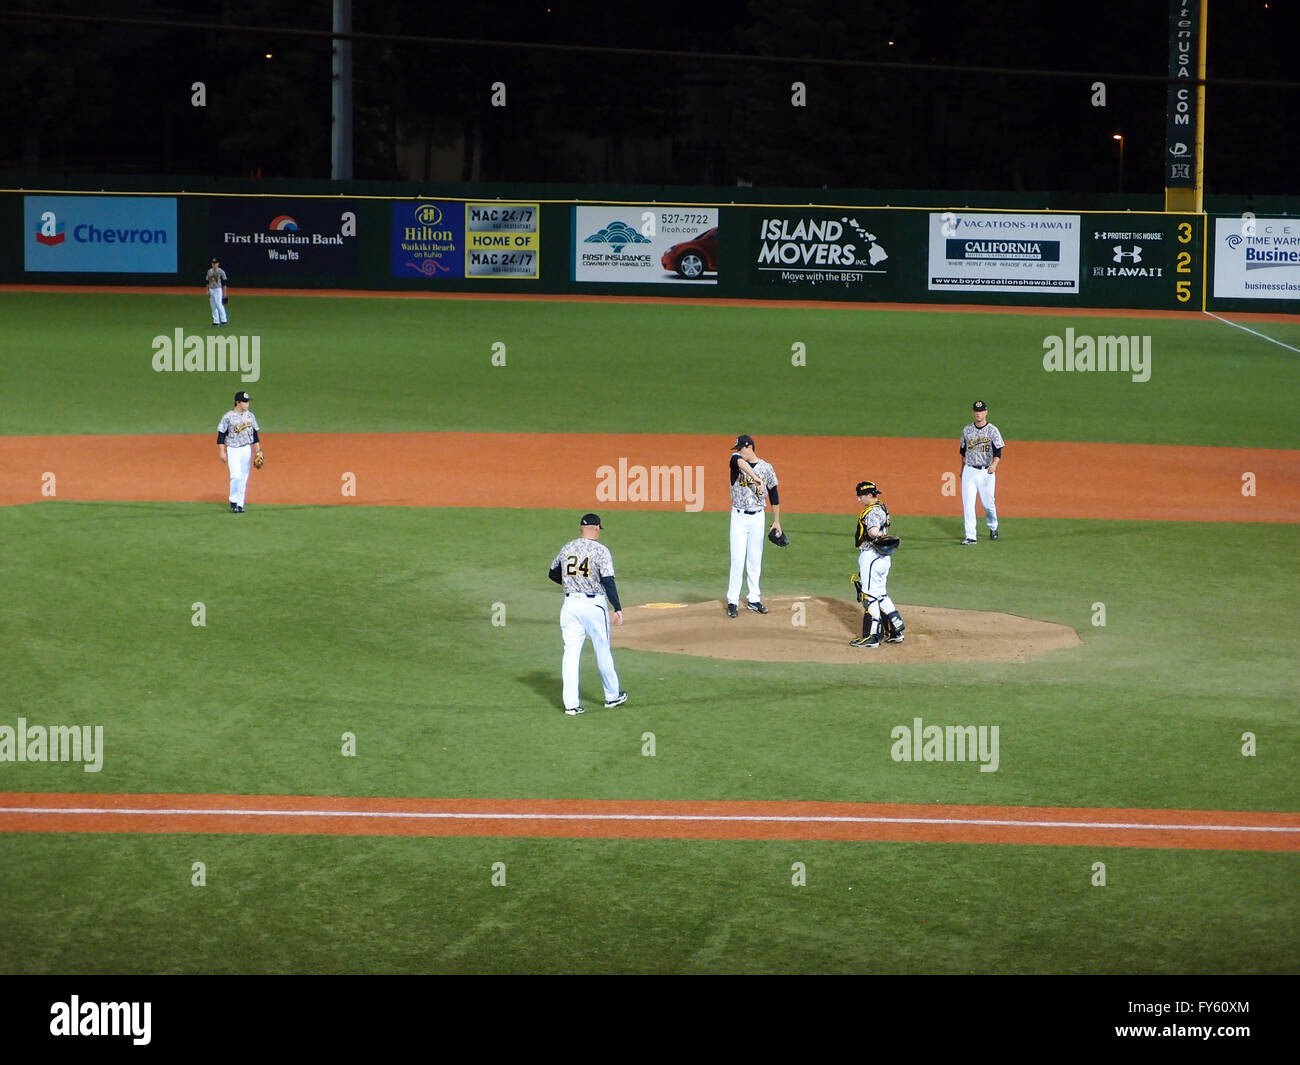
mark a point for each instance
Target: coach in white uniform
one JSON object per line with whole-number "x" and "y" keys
{"x": 753, "y": 482}
{"x": 585, "y": 569}
{"x": 981, "y": 451}
{"x": 237, "y": 439}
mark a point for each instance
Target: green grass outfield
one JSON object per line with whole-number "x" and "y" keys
{"x": 321, "y": 620}
{"x": 82, "y": 364}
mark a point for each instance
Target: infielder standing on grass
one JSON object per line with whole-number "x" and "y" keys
{"x": 585, "y": 568}
{"x": 753, "y": 482}
{"x": 237, "y": 440}
{"x": 981, "y": 449}
{"x": 217, "y": 285}
{"x": 875, "y": 546}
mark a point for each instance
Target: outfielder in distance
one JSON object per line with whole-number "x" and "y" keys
{"x": 881, "y": 619}
{"x": 217, "y": 285}
{"x": 585, "y": 569}
{"x": 753, "y": 482}
{"x": 981, "y": 451}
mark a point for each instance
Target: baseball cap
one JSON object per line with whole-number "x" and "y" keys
{"x": 215, "y": 259}
{"x": 980, "y": 405}
{"x": 242, "y": 397}
{"x": 591, "y": 519}
{"x": 743, "y": 440}
{"x": 868, "y": 488}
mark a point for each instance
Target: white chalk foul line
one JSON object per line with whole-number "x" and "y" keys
{"x": 447, "y": 815}
{"x": 1252, "y": 332}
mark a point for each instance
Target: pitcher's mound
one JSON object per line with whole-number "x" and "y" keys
{"x": 934, "y": 634}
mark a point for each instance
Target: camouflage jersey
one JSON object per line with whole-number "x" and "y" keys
{"x": 583, "y": 563}
{"x": 877, "y": 514}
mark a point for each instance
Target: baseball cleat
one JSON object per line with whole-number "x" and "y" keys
{"x": 895, "y": 638}
{"x": 234, "y": 508}
{"x": 575, "y": 711}
{"x": 965, "y": 542}
{"x": 732, "y": 612}
{"x": 865, "y": 641}
{"x": 618, "y": 700}
{"x": 993, "y": 534}
{"x": 757, "y": 608}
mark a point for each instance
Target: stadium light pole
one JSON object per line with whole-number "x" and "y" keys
{"x": 1120, "y": 137}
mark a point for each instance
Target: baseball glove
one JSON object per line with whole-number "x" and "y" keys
{"x": 780, "y": 539}
{"x": 885, "y": 545}
{"x": 857, "y": 585}
{"x": 259, "y": 460}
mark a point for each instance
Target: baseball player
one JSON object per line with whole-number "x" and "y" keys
{"x": 239, "y": 447}
{"x": 753, "y": 482}
{"x": 585, "y": 569}
{"x": 217, "y": 285}
{"x": 981, "y": 450}
{"x": 875, "y": 546}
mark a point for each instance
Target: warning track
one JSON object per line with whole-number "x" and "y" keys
{"x": 637, "y": 819}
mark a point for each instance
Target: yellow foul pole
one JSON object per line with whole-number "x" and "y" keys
{"x": 1190, "y": 199}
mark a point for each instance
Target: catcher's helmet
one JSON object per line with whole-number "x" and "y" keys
{"x": 868, "y": 488}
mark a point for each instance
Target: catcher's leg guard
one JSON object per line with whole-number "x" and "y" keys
{"x": 871, "y": 623}
{"x": 894, "y": 626}
{"x": 856, "y": 580}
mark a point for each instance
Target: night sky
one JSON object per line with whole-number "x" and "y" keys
{"x": 86, "y": 98}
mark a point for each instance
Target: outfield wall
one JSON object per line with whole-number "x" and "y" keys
{"x": 834, "y": 251}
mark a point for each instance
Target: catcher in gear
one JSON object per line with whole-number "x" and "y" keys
{"x": 881, "y": 621}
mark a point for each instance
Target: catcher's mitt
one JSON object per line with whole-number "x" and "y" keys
{"x": 885, "y": 545}
{"x": 780, "y": 539}
{"x": 259, "y": 460}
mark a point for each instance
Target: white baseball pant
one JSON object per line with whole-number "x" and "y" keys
{"x": 975, "y": 479}
{"x": 215, "y": 296}
{"x": 585, "y": 618}
{"x": 239, "y": 459}
{"x": 873, "y": 571}
{"x": 746, "y": 553}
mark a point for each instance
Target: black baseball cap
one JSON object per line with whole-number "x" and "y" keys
{"x": 242, "y": 397}
{"x": 743, "y": 440}
{"x": 979, "y": 404}
{"x": 591, "y": 519}
{"x": 215, "y": 259}
{"x": 868, "y": 488}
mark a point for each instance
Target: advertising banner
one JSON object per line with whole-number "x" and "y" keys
{"x": 273, "y": 237}
{"x": 982, "y": 252}
{"x": 428, "y": 240}
{"x": 1180, "y": 110}
{"x": 99, "y": 234}
{"x": 817, "y": 252}
{"x": 502, "y": 239}
{"x": 650, "y": 245}
{"x": 1142, "y": 260}
{"x": 1257, "y": 258}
